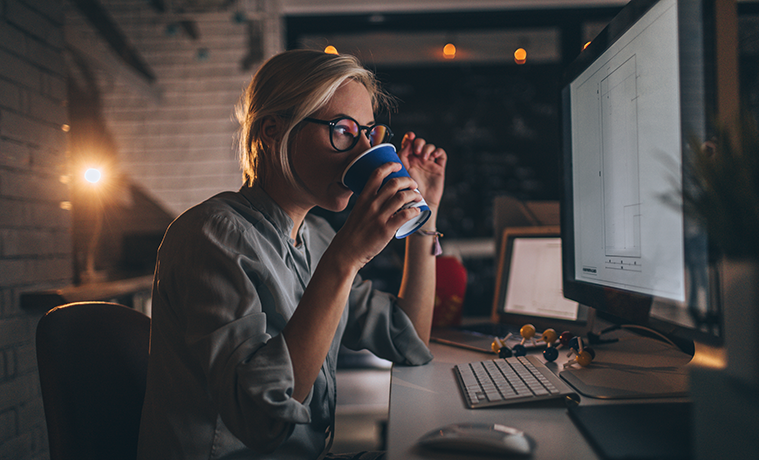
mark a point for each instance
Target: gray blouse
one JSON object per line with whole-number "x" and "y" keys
{"x": 228, "y": 277}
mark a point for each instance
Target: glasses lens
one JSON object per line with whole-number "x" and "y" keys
{"x": 344, "y": 133}
{"x": 379, "y": 134}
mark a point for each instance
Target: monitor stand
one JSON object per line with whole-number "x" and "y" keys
{"x": 634, "y": 367}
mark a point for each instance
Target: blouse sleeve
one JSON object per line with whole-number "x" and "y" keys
{"x": 216, "y": 290}
{"x": 378, "y": 324}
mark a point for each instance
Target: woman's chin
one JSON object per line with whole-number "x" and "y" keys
{"x": 340, "y": 207}
{"x": 340, "y": 202}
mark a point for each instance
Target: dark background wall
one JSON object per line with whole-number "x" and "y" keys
{"x": 498, "y": 121}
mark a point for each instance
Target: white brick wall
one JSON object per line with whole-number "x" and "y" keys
{"x": 181, "y": 149}
{"x": 35, "y": 232}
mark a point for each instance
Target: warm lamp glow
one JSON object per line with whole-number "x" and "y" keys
{"x": 586, "y": 45}
{"x": 449, "y": 51}
{"x": 92, "y": 175}
{"x": 330, "y": 49}
{"x": 520, "y": 56}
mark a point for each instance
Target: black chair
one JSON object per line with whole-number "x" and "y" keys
{"x": 93, "y": 359}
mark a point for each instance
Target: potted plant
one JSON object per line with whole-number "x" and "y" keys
{"x": 722, "y": 191}
{"x": 723, "y": 188}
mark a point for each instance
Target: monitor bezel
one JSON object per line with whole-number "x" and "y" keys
{"x": 697, "y": 80}
{"x": 584, "y": 320}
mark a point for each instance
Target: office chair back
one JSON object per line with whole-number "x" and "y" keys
{"x": 93, "y": 359}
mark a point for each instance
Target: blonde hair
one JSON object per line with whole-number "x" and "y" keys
{"x": 292, "y": 86}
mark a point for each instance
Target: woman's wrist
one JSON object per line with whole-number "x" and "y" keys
{"x": 341, "y": 263}
{"x": 435, "y": 235}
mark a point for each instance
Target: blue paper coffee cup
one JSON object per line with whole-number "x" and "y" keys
{"x": 358, "y": 172}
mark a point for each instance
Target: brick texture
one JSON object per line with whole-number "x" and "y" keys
{"x": 35, "y": 233}
{"x": 181, "y": 150}
{"x": 178, "y": 150}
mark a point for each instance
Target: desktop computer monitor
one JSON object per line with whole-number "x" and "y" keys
{"x": 631, "y": 104}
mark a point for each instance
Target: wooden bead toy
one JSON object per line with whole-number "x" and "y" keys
{"x": 584, "y": 358}
{"x": 575, "y": 345}
{"x": 549, "y": 336}
{"x": 499, "y": 346}
{"x": 564, "y": 339}
{"x": 505, "y": 352}
{"x": 550, "y": 354}
{"x": 528, "y": 333}
{"x": 584, "y": 355}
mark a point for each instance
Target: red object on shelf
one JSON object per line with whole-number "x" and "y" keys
{"x": 450, "y": 289}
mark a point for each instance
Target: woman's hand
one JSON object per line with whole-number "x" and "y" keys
{"x": 426, "y": 164}
{"x": 376, "y": 215}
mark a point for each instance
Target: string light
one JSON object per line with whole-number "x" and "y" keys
{"x": 330, "y": 49}
{"x": 520, "y": 56}
{"x": 449, "y": 51}
{"x": 586, "y": 45}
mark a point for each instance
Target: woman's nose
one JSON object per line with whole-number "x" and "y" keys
{"x": 363, "y": 141}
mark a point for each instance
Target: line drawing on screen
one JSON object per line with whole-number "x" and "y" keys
{"x": 625, "y": 118}
{"x": 619, "y": 153}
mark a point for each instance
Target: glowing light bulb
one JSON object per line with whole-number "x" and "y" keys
{"x": 520, "y": 56}
{"x": 92, "y": 175}
{"x": 449, "y": 51}
{"x": 330, "y": 50}
{"x": 586, "y": 45}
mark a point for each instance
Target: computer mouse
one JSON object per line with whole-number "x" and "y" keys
{"x": 483, "y": 438}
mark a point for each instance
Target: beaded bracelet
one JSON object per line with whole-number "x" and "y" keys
{"x": 436, "y": 248}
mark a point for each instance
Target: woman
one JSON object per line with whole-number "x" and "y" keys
{"x": 253, "y": 296}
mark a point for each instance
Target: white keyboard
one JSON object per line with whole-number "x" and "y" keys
{"x": 508, "y": 381}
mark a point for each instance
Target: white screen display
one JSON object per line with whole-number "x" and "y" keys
{"x": 534, "y": 285}
{"x": 626, "y": 155}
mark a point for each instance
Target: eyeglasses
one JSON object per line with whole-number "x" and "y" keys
{"x": 344, "y": 132}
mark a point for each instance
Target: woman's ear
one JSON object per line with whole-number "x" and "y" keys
{"x": 270, "y": 130}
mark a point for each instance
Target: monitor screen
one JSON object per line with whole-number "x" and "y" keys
{"x": 534, "y": 284}
{"x": 631, "y": 104}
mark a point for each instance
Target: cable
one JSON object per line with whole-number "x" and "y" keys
{"x": 595, "y": 339}
{"x": 651, "y": 331}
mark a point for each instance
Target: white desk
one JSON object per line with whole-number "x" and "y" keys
{"x": 425, "y": 397}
